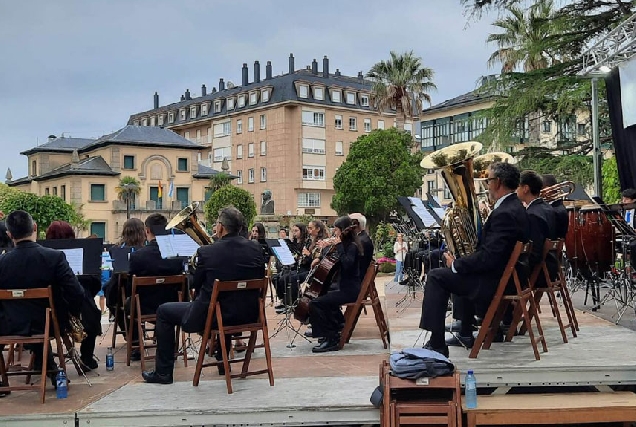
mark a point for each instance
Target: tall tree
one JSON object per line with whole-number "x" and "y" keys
{"x": 230, "y": 195}
{"x": 401, "y": 83}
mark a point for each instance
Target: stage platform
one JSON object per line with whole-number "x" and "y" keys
{"x": 320, "y": 389}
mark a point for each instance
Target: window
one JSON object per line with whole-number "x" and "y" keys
{"x": 430, "y": 187}
{"x": 183, "y": 196}
{"x": 580, "y": 129}
{"x": 198, "y": 136}
{"x": 479, "y": 126}
{"x": 263, "y": 148}
{"x": 408, "y": 127}
{"x": 46, "y": 191}
{"x": 264, "y": 95}
{"x": 239, "y": 151}
{"x": 546, "y": 126}
{"x": 171, "y": 117}
{"x": 250, "y": 149}
{"x": 263, "y": 121}
{"x": 308, "y": 200}
{"x": 160, "y": 120}
{"x": 351, "y": 97}
{"x": 222, "y": 153}
{"x": 364, "y": 100}
{"x": 230, "y": 103}
{"x": 241, "y": 101}
{"x": 144, "y": 122}
{"x": 222, "y": 129}
{"x": 336, "y": 96}
{"x": 154, "y": 195}
{"x": 136, "y": 123}
{"x": 319, "y": 93}
{"x": 367, "y": 125}
{"x": 182, "y": 164}
{"x": 250, "y": 176}
{"x": 427, "y": 134}
{"x": 208, "y": 193}
{"x": 250, "y": 124}
{"x": 55, "y": 191}
{"x": 217, "y": 106}
{"x": 239, "y": 179}
{"x": 315, "y": 146}
{"x": 129, "y": 162}
{"x": 339, "y": 148}
{"x": 193, "y": 112}
{"x": 313, "y": 119}
{"x": 186, "y": 135}
{"x": 153, "y": 121}
{"x": 98, "y": 193}
{"x": 353, "y": 123}
{"x": 338, "y": 122}
{"x": 253, "y": 98}
{"x": 263, "y": 174}
{"x": 239, "y": 126}
{"x": 63, "y": 192}
{"x": 303, "y": 91}
{"x": 314, "y": 173}
{"x": 99, "y": 229}
{"x": 182, "y": 114}
{"x": 380, "y": 124}
{"x": 204, "y": 109}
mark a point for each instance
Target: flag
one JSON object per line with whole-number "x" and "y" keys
{"x": 171, "y": 189}
{"x": 160, "y": 191}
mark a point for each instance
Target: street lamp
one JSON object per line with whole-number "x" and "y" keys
{"x": 129, "y": 191}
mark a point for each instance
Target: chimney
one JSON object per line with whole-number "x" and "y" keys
{"x": 52, "y": 137}
{"x": 213, "y": 89}
{"x": 221, "y": 85}
{"x": 9, "y": 176}
{"x": 325, "y": 67}
{"x": 257, "y": 72}
{"x": 337, "y": 73}
{"x": 156, "y": 99}
{"x": 268, "y": 70}
{"x": 182, "y": 98}
{"x": 314, "y": 67}
{"x": 74, "y": 159}
{"x": 204, "y": 90}
{"x": 187, "y": 95}
{"x": 360, "y": 76}
{"x": 291, "y": 63}
{"x": 245, "y": 75}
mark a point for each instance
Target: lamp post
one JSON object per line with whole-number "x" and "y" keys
{"x": 129, "y": 191}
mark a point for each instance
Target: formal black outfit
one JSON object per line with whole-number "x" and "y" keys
{"x": 477, "y": 275}
{"x": 295, "y": 275}
{"x": 30, "y": 266}
{"x": 562, "y": 219}
{"x": 323, "y": 311}
{"x": 543, "y": 225}
{"x": 367, "y": 253}
{"x": 91, "y": 318}
{"x": 231, "y": 258}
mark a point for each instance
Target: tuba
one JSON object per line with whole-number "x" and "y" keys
{"x": 557, "y": 191}
{"x": 462, "y": 222}
{"x": 187, "y": 221}
{"x": 481, "y": 164}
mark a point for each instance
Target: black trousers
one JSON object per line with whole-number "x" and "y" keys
{"x": 87, "y": 347}
{"x": 287, "y": 285}
{"x": 325, "y": 315}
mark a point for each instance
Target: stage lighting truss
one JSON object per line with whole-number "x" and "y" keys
{"x": 617, "y": 46}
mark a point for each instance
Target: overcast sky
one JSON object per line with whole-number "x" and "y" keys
{"x": 82, "y": 67}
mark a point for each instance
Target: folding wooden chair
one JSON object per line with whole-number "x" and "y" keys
{"x": 368, "y": 296}
{"x": 138, "y": 320}
{"x": 222, "y": 331}
{"x": 119, "y": 307}
{"x": 500, "y": 303}
{"x": 43, "y": 339}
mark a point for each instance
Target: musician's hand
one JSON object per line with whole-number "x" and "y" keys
{"x": 315, "y": 262}
{"x": 449, "y": 259}
{"x": 323, "y": 243}
{"x": 306, "y": 252}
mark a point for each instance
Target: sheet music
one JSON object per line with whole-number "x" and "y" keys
{"x": 75, "y": 258}
{"x": 174, "y": 245}
{"x": 421, "y": 211}
{"x": 283, "y": 253}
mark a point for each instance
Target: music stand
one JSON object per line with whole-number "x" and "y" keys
{"x": 281, "y": 251}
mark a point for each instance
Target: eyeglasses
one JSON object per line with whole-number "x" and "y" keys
{"x": 491, "y": 179}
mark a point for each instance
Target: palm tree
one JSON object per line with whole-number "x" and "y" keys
{"x": 400, "y": 84}
{"x": 523, "y": 39}
{"x": 127, "y": 190}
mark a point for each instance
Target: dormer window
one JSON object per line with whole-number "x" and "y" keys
{"x": 336, "y": 96}
{"x": 160, "y": 119}
{"x": 319, "y": 93}
{"x": 265, "y": 95}
{"x": 182, "y": 114}
{"x": 204, "y": 109}
{"x": 364, "y": 100}
{"x": 171, "y": 117}
{"x": 303, "y": 91}
{"x": 153, "y": 121}
{"x": 230, "y": 103}
{"x": 253, "y": 98}
{"x": 241, "y": 101}
{"x": 351, "y": 97}
{"x": 217, "y": 106}
{"x": 144, "y": 122}
{"x": 136, "y": 123}
{"x": 193, "y": 112}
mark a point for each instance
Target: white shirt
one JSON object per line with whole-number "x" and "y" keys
{"x": 629, "y": 217}
{"x": 399, "y": 255}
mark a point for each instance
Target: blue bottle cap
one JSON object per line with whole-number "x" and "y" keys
{"x": 470, "y": 372}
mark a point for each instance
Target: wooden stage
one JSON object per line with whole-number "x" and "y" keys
{"x": 332, "y": 388}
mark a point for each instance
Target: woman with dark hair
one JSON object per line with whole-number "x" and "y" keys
{"x": 289, "y": 282}
{"x": 5, "y": 240}
{"x": 258, "y": 231}
{"x": 324, "y": 312}
{"x": 90, "y": 314}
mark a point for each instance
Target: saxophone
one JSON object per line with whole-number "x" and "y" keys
{"x": 461, "y": 224}
{"x": 77, "y": 329}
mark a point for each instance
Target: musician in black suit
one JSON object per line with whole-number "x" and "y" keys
{"x": 360, "y": 222}
{"x": 476, "y": 276}
{"x": 17, "y": 272}
{"x": 232, "y": 257}
{"x": 562, "y": 219}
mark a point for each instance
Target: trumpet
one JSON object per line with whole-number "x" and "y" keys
{"x": 557, "y": 191}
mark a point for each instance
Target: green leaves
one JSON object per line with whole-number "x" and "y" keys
{"x": 230, "y": 195}
{"x": 611, "y": 183}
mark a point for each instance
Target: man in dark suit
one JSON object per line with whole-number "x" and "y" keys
{"x": 232, "y": 257}
{"x": 17, "y": 272}
{"x": 365, "y": 241}
{"x": 562, "y": 219}
{"x": 476, "y": 276}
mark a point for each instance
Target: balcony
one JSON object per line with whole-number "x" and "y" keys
{"x": 149, "y": 206}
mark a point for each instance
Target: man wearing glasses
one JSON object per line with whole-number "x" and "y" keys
{"x": 474, "y": 278}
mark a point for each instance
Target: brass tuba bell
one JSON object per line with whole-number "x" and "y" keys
{"x": 187, "y": 221}
{"x": 481, "y": 164}
{"x": 557, "y": 191}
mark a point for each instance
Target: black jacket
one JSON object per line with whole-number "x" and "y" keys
{"x": 29, "y": 266}
{"x": 231, "y": 258}
{"x": 562, "y": 219}
{"x": 349, "y": 258}
{"x": 367, "y": 255}
{"x": 542, "y": 219}
{"x": 505, "y": 226}
{"x": 147, "y": 262}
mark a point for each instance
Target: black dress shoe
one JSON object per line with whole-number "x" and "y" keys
{"x": 440, "y": 350}
{"x": 4, "y": 393}
{"x": 456, "y": 326}
{"x": 460, "y": 341}
{"x": 153, "y": 377}
{"x": 135, "y": 355}
{"x": 309, "y": 333}
{"x": 327, "y": 345}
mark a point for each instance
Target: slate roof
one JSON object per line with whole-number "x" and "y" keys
{"x": 144, "y": 136}
{"x": 90, "y": 166}
{"x": 283, "y": 89}
{"x": 60, "y": 145}
{"x": 208, "y": 172}
{"x": 470, "y": 98}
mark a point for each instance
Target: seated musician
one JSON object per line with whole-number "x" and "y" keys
{"x": 299, "y": 241}
{"x": 475, "y": 277}
{"x": 147, "y": 261}
{"x": 258, "y": 235}
{"x": 562, "y": 219}
{"x": 90, "y": 314}
{"x": 323, "y": 311}
{"x": 5, "y": 240}
{"x": 17, "y": 272}
{"x": 360, "y": 223}
{"x": 232, "y": 257}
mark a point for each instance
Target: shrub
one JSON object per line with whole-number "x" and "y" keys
{"x": 387, "y": 267}
{"x": 387, "y": 249}
{"x": 230, "y": 195}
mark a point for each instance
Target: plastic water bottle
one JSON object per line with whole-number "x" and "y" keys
{"x": 106, "y": 266}
{"x": 471, "y": 390}
{"x": 110, "y": 359}
{"x": 60, "y": 381}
